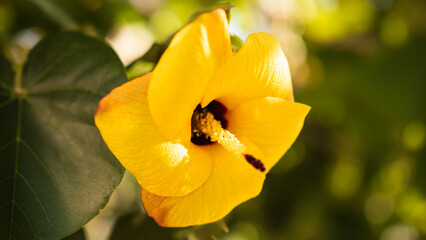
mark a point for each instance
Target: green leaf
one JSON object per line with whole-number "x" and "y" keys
{"x": 237, "y": 43}
{"x": 56, "y": 172}
{"x": 148, "y": 61}
{"x": 139, "y": 68}
{"x": 152, "y": 56}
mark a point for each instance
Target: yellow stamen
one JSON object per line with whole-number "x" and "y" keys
{"x": 208, "y": 126}
{"x": 204, "y": 125}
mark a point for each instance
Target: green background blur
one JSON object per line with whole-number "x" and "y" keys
{"x": 358, "y": 169}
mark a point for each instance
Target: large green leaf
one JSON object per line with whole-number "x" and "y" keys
{"x": 56, "y": 172}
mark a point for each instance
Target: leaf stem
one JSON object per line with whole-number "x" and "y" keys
{"x": 18, "y": 76}
{"x": 18, "y": 90}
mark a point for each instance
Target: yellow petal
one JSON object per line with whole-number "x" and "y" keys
{"x": 232, "y": 182}
{"x": 272, "y": 124}
{"x": 171, "y": 169}
{"x": 125, "y": 123}
{"x": 124, "y": 120}
{"x": 259, "y": 69}
{"x": 182, "y": 74}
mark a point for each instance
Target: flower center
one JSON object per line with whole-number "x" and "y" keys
{"x": 203, "y": 118}
{"x": 208, "y": 125}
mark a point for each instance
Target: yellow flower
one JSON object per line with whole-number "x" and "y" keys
{"x": 200, "y": 132}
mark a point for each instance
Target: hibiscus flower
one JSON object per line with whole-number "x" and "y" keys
{"x": 201, "y": 131}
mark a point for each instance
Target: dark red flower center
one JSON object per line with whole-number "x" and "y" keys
{"x": 218, "y": 110}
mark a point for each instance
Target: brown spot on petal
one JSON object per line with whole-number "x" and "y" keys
{"x": 256, "y": 163}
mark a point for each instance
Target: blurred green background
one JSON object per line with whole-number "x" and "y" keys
{"x": 357, "y": 171}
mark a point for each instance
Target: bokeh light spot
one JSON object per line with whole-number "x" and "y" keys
{"x": 414, "y": 135}
{"x": 394, "y": 31}
{"x": 345, "y": 179}
{"x": 399, "y": 232}
{"x": 378, "y": 208}
{"x": 395, "y": 177}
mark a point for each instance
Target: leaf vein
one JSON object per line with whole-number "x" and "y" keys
{"x": 56, "y": 125}
{"x": 4, "y": 204}
{"x": 49, "y": 173}
{"x": 5, "y": 87}
{"x": 7, "y": 102}
{"x": 26, "y": 218}
{"x": 5, "y": 179}
{"x": 43, "y": 165}
{"x": 51, "y": 66}
{"x": 7, "y": 144}
{"x": 4, "y": 225}
{"x": 18, "y": 134}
